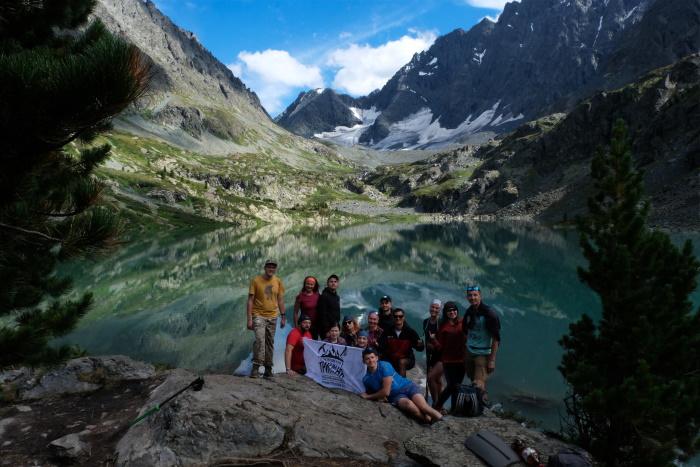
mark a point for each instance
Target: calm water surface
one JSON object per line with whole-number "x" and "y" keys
{"x": 181, "y": 299}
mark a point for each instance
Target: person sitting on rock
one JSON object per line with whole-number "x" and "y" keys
{"x": 334, "y": 335}
{"x": 362, "y": 340}
{"x": 382, "y": 383}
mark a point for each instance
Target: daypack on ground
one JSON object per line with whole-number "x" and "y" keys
{"x": 568, "y": 458}
{"x": 469, "y": 401}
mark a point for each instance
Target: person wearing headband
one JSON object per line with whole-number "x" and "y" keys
{"x": 306, "y": 303}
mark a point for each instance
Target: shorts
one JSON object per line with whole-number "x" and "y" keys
{"x": 409, "y": 364}
{"x": 434, "y": 358}
{"x": 408, "y": 391}
{"x": 476, "y": 366}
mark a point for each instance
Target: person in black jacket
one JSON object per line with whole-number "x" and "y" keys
{"x": 386, "y": 313}
{"x": 328, "y": 310}
{"x": 398, "y": 342}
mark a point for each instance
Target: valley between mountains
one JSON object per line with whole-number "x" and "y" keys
{"x": 200, "y": 150}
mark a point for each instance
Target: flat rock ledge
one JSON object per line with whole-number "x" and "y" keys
{"x": 236, "y": 417}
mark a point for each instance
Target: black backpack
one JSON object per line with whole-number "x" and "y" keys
{"x": 568, "y": 458}
{"x": 469, "y": 401}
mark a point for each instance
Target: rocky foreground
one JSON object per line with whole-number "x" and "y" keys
{"x": 69, "y": 413}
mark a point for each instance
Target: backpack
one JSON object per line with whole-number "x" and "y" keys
{"x": 469, "y": 401}
{"x": 568, "y": 458}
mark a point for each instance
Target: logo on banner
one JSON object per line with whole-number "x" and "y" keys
{"x": 330, "y": 361}
{"x": 334, "y": 366}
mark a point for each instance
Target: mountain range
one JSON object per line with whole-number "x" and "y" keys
{"x": 515, "y": 108}
{"x": 540, "y": 57}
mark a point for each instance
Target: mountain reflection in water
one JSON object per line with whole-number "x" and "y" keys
{"x": 180, "y": 298}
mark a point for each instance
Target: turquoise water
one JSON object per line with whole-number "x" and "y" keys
{"x": 181, "y": 299}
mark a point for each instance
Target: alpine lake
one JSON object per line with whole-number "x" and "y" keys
{"x": 179, "y": 298}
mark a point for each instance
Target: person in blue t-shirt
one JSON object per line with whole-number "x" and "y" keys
{"x": 383, "y": 383}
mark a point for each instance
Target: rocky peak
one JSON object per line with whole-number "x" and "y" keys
{"x": 327, "y": 108}
{"x": 542, "y": 56}
{"x": 181, "y": 60}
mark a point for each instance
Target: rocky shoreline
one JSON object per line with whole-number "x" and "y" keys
{"x": 68, "y": 414}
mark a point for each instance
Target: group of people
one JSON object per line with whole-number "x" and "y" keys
{"x": 454, "y": 345}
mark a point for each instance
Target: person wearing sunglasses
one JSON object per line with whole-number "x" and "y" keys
{"x": 450, "y": 343}
{"x": 398, "y": 342}
{"x": 483, "y": 330}
{"x": 349, "y": 330}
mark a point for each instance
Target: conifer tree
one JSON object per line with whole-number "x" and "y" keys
{"x": 59, "y": 86}
{"x": 634, "y": 377}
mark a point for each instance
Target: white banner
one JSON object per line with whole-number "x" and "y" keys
{"x": 334, "y": 366}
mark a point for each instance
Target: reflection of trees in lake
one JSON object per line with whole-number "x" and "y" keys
{"x": 182, "y": 299}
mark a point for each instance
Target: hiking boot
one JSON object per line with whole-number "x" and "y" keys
{"x": 268, "y": 372}
{"x": 255, "y": 372}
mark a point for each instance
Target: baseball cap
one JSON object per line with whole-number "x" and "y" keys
{"x": 436, "y": 302}
{"x": 304, "y": 318}
{"x": 271, "y": 261}
{"x": 385, "y": 297}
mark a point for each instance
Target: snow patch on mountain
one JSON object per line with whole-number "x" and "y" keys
{"x": 420, "y": 131}
{"x": 349, "y": 136}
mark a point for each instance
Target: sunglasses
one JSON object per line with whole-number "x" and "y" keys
{"x": 398, "y": 316}
{"x": 469, "y": 289}
{"x": 348, "y": 322}
{"x": 450, "y": 310}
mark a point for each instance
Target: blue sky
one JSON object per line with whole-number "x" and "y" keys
{"x": 280, "y": 48}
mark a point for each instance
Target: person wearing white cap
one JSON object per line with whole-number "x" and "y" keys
{"x": 264, "y": 298}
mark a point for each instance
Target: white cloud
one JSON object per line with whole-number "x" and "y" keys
{"x": 273, "y": 74}
{"x": 492, "y": 4}
{"x": 363, "y": 68}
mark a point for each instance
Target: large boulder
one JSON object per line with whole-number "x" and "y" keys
{"x": 238, "y": 417}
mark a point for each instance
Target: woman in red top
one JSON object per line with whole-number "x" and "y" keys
{"x": 307, "y": 301}
{"x": 451, "y": 343}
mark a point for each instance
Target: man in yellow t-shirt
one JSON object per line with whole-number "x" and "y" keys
{"x": 264, "y": 298}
